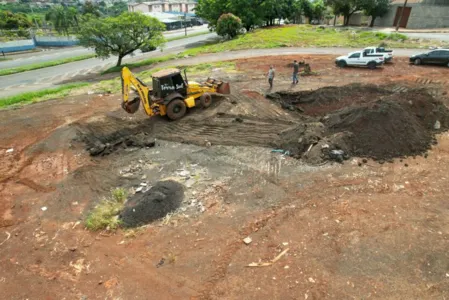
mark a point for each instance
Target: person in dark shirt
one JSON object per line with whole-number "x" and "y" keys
{"x": 295, "y": 72}
{"x": 271, "y": 74}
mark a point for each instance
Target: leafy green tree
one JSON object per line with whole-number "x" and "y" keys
{"x": 376, "y": 8}
{"x": 90, "y": 8}
{"x": 121, "y": 35}
{"x": 319, "y": 9}
{"x": 12, "y": 21}
{"x": 229, "y": 26}
{"x": 346, "y": 8}
{"x": 118, "y": 8}
{"x": 63, "y": 18}
{"x": 249, "y": 11}
{"x": 211, "y": 10}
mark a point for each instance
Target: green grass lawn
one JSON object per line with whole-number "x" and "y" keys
{"x": 44, "y": 64}
{"x": 187, "y": 36}
{"x": 307, "y": 36}
{"x": 47, "y": 94}
{"x": 293, "y": 36}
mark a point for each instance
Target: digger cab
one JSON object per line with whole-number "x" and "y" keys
{"x": 167, "y": 82}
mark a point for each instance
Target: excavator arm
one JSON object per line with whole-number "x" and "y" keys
{"x": 128, "y": 80}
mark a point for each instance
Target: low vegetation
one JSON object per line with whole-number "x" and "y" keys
{"x": 47, "y": 64}
{"x": 105, "y": 214}
{"x": 47, "y": 94}
{"x": 186, "y": 36}
{"x": 145, "y": 62}
{"x": 306, "y": 36}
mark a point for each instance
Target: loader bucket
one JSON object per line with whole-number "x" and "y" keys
{"x": 131, "y": 106}
{"x": 224, "y": 88}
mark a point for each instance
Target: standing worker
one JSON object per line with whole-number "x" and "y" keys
{"x": 271, "y": 74}
{"x": 295, "y": 72}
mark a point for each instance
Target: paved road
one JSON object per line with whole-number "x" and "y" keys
{"x": 46, "y": 77}
{"x": 432, "y": 36}
{"x": 56, "y": 54}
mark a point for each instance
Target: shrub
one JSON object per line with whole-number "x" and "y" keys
{"x": 397, "y": 37}
{"x": 105, "y": 214}
{"x": 229, "y": 26}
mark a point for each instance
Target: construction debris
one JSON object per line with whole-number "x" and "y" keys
{"x": 269, "y": 263}
{"x": 247, "y": 240}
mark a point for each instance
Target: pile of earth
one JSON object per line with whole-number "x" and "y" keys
{"x": 143, "y": 208}
{"x": 380, "y": 126}
{"x": 327, "y": 99}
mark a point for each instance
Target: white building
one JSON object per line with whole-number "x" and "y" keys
{"x": 163, "y": 6}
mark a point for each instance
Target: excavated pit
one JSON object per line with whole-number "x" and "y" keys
{"x": 362, "y": 121}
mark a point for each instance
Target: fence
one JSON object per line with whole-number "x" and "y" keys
{"x": 38, "y": 41}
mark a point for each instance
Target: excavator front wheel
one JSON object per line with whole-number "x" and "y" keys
{"x": 176, "y": 109}
{"x": 206, "y": 100}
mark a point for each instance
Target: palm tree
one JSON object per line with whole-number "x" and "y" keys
{"x": 62, "y": 18}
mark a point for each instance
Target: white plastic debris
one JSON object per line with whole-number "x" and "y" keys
{"x": 10, "y": 150}
{"x": 437, "y": 125}
{"x": 43, "y": 208}
{"x": 184, "y": 173}
{"x": 247, "y": 240}
{"x": 139, "y": 189}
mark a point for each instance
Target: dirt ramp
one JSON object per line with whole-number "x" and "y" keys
{"x": 143, "y": 208}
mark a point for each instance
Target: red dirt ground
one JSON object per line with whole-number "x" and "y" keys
{"x": 370, "y": 232}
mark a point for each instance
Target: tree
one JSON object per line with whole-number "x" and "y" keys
{"x": 319, "y": 9}
{"x": 211, "y": 10}
{"x": 376, "y": 8}
{"x": 229, "y": 26}
{"x": 90, "y": 8}
{"x": 346, "y": 8}
{"x": 63, "y": 18}
{"x": 121, "y": 35}
{"x": 12, "y": 21}
{"x": 307, "y": 9}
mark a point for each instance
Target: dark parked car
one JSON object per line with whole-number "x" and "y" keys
{"x": 434, "y": 57}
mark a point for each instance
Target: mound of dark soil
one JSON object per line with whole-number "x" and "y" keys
{"x": 393, "y": 125}
{"x": 143, "y": 208}
{"x": 328, "y": 99}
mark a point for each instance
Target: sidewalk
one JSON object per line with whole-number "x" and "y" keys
{"x": 405, "y": 30}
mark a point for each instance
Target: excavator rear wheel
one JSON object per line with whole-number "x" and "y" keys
{"x": 176, "y": 109}
{"x": 206, "y": 100}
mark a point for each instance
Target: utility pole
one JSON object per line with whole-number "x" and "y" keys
{"x": 185, "y": 22}
{"x": 401, "y": 16}
{"x": 34, "y": 17}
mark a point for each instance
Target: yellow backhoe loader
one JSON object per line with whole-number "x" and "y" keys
{"x": 171, "y": 93}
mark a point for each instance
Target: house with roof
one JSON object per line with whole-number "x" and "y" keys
{"x": 418, "y": 14}
{"x": 163, "y": 6}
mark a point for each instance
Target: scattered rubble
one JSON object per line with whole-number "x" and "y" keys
{"x": 139, "y": 140}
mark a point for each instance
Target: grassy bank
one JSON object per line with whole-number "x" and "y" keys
{"x": 145, "y": 62}
{"x": 308, "y": 36}
{"x": 187, "y": 36}
{"x": 47, "y": 94}
{"x": 293, "y": 36}
{"x": 44, "y": 64}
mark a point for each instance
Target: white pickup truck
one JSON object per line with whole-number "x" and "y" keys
{"x": 388, "y": 54}
{"x": 360, "y": 59}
